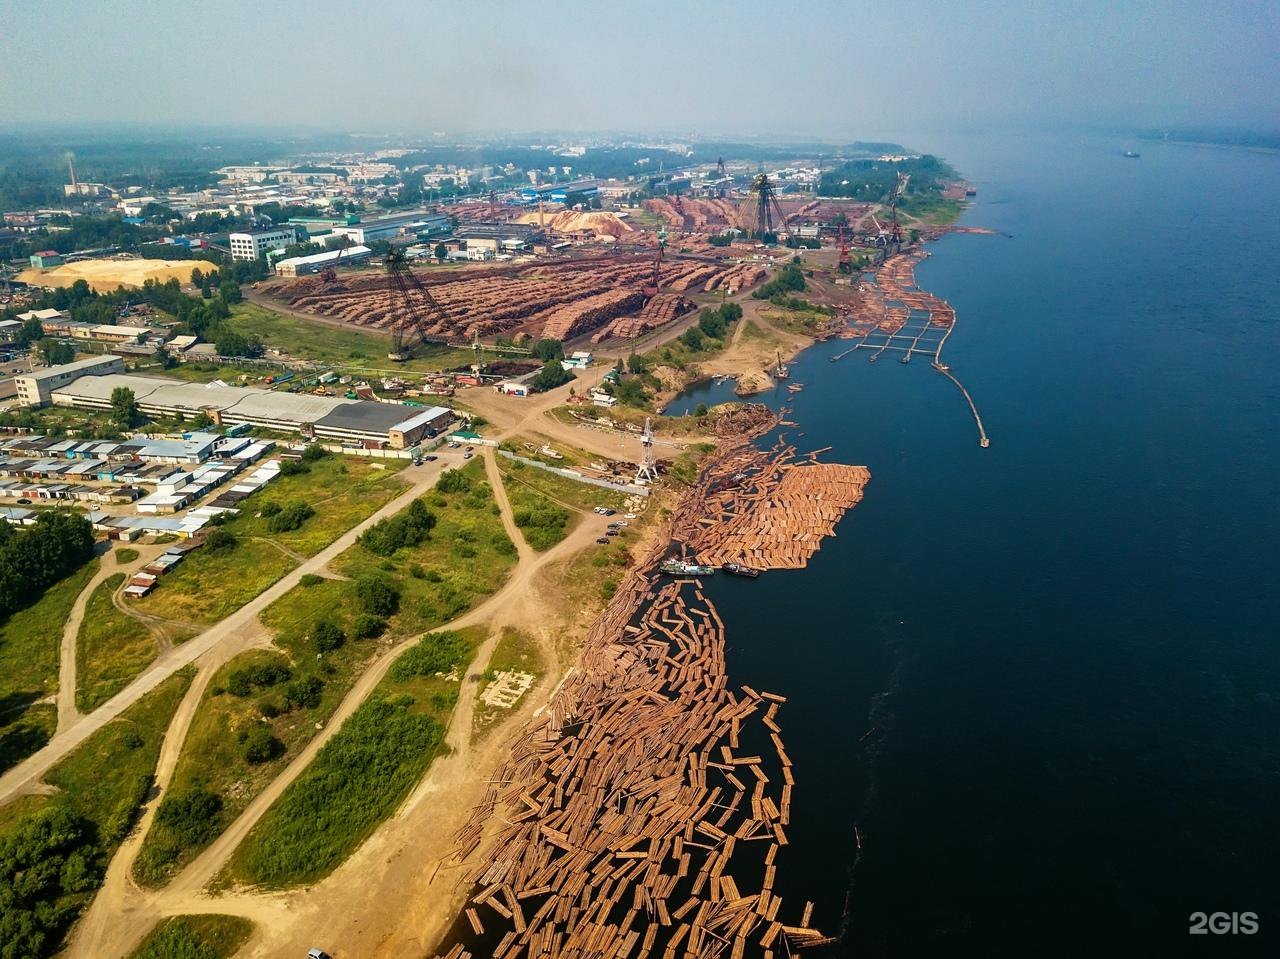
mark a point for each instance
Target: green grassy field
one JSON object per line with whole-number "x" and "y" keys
{"x": 541, "y": 520}
{"x": 29, "y": 641}
{"x": 467, "y": 557}
{"x": 111, "y": 650}
{"x": 195, "y": 937}
{"x": 515, "y": 650}
{"x": 339, "y": 347}
{"x": 561, "y": 489}
{"x": 209, "y": 586}
{"x": 363, "y": 773}
{"x": 74, "y": 832}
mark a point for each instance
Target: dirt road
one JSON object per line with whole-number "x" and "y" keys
{"x": 123, "y": 913}
{"x": 240, "y": 626}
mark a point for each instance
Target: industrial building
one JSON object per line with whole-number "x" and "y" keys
{"x": 363, "y": 423}
{"x": 251, "y": 246}
{"x": 36, "y": 388}
{"x": 420, "y": 225}
{"x": 566, "y": 193}
{"x": 303, "y": 265}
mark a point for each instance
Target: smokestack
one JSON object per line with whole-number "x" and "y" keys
{"x": 71, "y": 163}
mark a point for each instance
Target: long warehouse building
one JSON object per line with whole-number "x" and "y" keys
{"x": 359, "y": 422}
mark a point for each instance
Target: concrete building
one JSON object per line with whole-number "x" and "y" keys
{"x": 378, "y": 424}
{"x": 303, "y": 265}
{"x": 358, "y": 422}
{"x": 391, "y": 227}
{"x": 36, "y": 388}
{"x": 45, "y": 259}
{"x": 251, "y": 246}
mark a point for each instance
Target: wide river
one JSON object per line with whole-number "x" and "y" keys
{"x": 1043, "y": 679}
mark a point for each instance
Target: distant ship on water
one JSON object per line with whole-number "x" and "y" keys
{"x": 1131, "y": 154}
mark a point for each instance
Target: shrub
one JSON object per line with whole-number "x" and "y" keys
{"x": 409, "y": 528}
{"x": 269, "y": 509}
{"x": 311, "y": 579}
{"x": 367, "y": 626}
{"x": 327, "y": 636}
{"x": 290, "y": 517}
{"x": 191, "y": 815}
{"x": 220, "y": 540}
{"x": 434, "y": 653}
{"x": 304, "y": 692}
{"x": 260, "y": 746}
{"x": 377, "y": 595}
{"x": 453, "y": 481}
{"x": 313, "y": 452}
{"x": 241, "y": 682}
{"x": 293, "y": 468}
{"x": 268, "y": 709}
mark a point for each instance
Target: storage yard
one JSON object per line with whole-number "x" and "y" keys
{"x": 559, "y": 299}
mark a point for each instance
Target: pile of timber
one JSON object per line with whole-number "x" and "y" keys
{"x": 639, "y": 821}
{"x": 645, "y": 814}
{"x": 763, "y": 510}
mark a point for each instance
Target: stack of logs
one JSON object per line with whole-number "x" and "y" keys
{"x": 777, "y": 516}
{"x": 645, "y": 814}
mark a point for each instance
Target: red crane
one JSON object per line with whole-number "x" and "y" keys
{"x": 844, "y": 263}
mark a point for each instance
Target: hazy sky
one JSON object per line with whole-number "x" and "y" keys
{"x": 697, "y": 66}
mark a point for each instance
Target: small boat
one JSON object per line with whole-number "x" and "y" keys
{"x": 795, "y": 387}
{"x": 1131, "y": 154}
{"x": 736, "y": 569}
{"x": 676, "y": 567}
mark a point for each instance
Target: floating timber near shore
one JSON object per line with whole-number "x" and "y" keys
{"x": 645, "y": 812}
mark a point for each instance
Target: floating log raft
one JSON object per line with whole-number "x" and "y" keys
{"x": 644, "y": 814}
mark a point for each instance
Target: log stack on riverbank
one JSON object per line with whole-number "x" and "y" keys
{"x": 646, "y": 813}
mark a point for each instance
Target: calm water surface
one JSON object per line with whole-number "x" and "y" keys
{"x": 1063, "y": 651}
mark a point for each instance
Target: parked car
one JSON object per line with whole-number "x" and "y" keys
{"x": 604, "y": 540}
{"x": 318, "y": 954}
{"x": 467, "y": 456}
{"x": 610, "y": 512}
{"x": 24, "y": 502}
{"x": 611, "y": 532}
{"x": 471, "y": 449}
{"x": 630, "y": 515}
{"x": 430, "y": 458}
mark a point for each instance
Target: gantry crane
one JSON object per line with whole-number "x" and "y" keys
{"x": 412, "y": 328}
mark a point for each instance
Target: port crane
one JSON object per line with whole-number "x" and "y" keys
{"x": 329, "y": 275}
{"x": 647, "y": 472}
{"x": 844, "y": 262}
{"x": 762, "y": 212}
{"x": 412, "y": 329}
{"x": 895, "y": 234}
{"x": 650, "y": 289}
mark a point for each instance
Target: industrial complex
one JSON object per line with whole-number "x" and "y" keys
{"x": 89, "y": 384}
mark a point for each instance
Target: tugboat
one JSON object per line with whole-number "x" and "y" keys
{"x": 736, "y": 569}
{"x": 677, "y": 567}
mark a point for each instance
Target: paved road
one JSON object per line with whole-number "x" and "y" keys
{"x": 238, "y": 625}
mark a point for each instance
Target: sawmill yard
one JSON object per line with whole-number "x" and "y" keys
{"x": 597, "y": 295}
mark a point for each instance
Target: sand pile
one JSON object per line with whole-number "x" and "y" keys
{"x": 104, "y": 276}
{"x": 571, "y": 221}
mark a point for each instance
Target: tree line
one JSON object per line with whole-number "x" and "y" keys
{"x": 34, "y": 558}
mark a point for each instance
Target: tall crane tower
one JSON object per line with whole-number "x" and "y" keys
{"x": 650, "y": 289}
{"x": 895, "y": 233}
{"x": 329, "y": 275}
{"x": 721, "y": 175}
{"x": 647, "y": 472}
{"x": 412, "y": 328}
{"x": 761, "y": 212}
{"x": 844, "y": 262}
